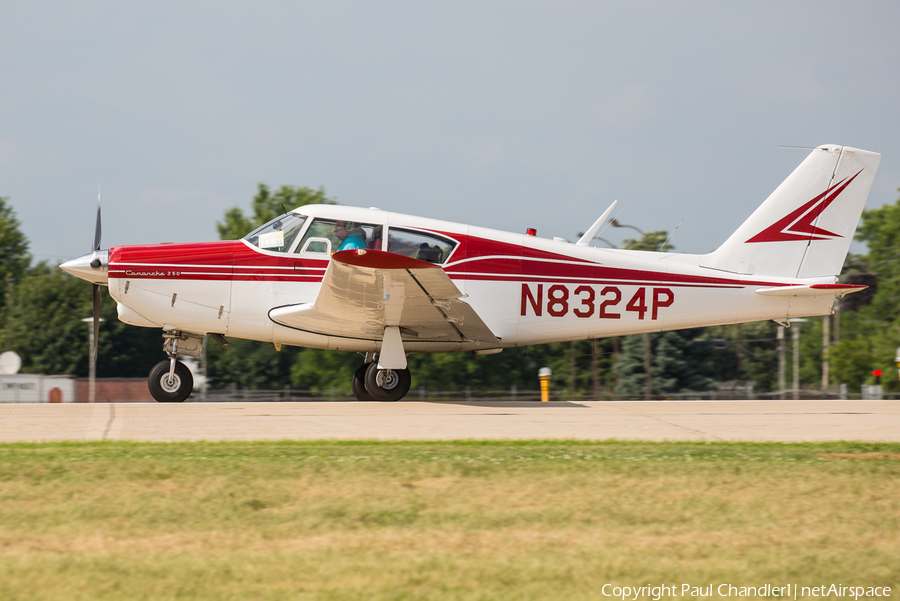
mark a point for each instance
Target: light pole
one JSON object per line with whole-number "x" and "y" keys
{"x": 826, "y": 342}
{"x": 897, "y": 360}
{"x": 648, "y": 367}
{"x": 795, "y": 384}
{"x": 781, "y": 362}
{"x": 203, "y": 369}
{"x": 92, "y": 361}
{"x": 9, "y": 296}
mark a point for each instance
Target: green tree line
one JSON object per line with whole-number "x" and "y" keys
{"x": 47, "y": 307}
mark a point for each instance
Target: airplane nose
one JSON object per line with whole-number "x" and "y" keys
{"x": 91, "y": 267}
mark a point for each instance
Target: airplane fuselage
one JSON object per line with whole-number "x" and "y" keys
{"x": 527, "y": 290}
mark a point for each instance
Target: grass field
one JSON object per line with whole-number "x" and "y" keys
{"x": 423, "y": 520}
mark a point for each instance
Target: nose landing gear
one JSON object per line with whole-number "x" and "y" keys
{"x": 171, "y": 381}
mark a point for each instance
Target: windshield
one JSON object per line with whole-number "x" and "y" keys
{"x": 278, "y": 234}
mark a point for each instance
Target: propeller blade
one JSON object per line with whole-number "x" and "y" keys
{"x": 97, "y": 230}
{"x": 97, "y": 300}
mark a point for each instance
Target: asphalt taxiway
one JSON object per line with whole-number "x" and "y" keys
{"x": 779, "y": 421}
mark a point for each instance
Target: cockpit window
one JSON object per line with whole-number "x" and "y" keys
{"x": 278, "y": 234}
{"x": 343, "y": 235}
{"x": 425, "y": 247}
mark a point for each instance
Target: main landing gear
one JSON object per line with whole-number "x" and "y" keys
{"x": 171, "y": 381}
{"x": 372, "y": 384}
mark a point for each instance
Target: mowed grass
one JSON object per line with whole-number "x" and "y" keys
{"x": 440, "y": 520}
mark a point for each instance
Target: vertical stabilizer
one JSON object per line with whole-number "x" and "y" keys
{"x": 804, "y": 229}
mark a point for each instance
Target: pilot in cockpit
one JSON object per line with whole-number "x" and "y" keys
{"x": 350, "y": 239}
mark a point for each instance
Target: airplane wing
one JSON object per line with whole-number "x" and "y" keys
{"x": 371, "y": 294}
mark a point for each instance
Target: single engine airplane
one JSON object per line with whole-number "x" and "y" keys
{"x": 387, "y": 285}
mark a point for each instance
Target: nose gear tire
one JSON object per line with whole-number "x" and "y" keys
{"x": 175, "y": 390}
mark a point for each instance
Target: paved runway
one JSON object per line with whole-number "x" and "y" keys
{"x": 783, "y": 421}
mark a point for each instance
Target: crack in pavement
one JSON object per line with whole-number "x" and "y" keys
{"x": 659, "y": 419}
{"x": 109, "y": 423}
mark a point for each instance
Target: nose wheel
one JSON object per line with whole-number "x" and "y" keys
{"x": 168, "y": 385}
{"x": 372, "y": 384}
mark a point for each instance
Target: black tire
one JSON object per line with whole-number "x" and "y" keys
{"x": 164, "y": 391}
{"x": 387, "y": 384}
{"x": 358, "y": 384}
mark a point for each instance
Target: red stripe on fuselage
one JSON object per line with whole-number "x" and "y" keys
{"x": 477, "y": 259}
{"x": 193, "y": 261}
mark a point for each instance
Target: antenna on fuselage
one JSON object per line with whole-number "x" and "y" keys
{"x": 282, "y": 208}
{"x": 663, "y": 245}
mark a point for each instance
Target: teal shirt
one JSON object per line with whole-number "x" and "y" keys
{"x": 352, "y": 242}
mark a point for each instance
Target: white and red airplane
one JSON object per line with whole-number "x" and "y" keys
{"x": 387, "y": 285}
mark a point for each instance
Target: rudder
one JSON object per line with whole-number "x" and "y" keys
{"x": 804, "y": 228}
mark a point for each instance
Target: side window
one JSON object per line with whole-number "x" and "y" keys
{"x": 330, "y": 235}
{"x": 425, "y": 247}
{"x": 319, "y": 238}
{"x": 316, "y": 245}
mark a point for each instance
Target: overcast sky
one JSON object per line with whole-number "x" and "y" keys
{"x": 500, "y": 114}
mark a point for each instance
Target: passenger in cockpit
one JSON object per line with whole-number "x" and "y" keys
{"x": 340, "y": 229}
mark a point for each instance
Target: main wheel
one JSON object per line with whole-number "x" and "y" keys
{"x": 387, "y": 384}
{"x": 173, "y": 390}
{"x": 358, "y": 384}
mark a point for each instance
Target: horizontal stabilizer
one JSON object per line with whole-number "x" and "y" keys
{"x": 838, "y": 290}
